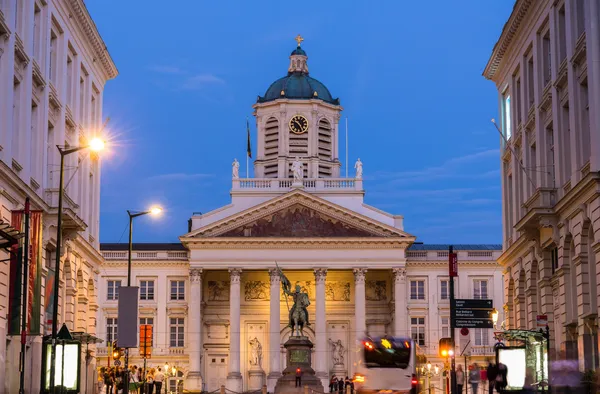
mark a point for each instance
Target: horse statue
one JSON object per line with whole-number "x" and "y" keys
{"x": 298, "y": 313}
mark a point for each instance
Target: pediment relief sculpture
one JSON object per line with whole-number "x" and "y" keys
{"x": 375, "y": 290}
{"x": 297, "y": 221}
{"x": 337, "y": 291}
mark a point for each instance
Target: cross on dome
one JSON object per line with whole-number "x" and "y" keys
{"x": 299, "y": 39}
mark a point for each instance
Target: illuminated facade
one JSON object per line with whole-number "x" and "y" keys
{"x": 53, "y": 68}
{"x": 216, "y": 297}
{"x": 545, "y": 66}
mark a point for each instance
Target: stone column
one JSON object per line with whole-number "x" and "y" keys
{"x": 234, "y": 377}
{"x": 400, "y": 327}
{"x": 193, "y": 382}
{"x": 321, "y": 328}
{"x": 274, "y": 332}
{"x": 359, "y": 302}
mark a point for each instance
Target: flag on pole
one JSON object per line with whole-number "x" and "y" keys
{"x": 249, "y": 148}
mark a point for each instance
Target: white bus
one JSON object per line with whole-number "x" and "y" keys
{"x": 388, "y": 365}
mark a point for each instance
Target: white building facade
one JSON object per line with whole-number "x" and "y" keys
{"x": 547, "y": 70}
{"x": 53, "y": 68}
{"x": 363, "y": 273}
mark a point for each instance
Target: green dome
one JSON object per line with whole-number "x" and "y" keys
{"x": 298, "y": 86}
{"x": 298, "y": 51}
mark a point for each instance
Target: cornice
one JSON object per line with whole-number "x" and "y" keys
{"x": 298, "y": 243}
{"x": 91, "y": 31}
{"x": 506, "y": 37}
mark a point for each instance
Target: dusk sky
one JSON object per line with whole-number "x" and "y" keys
{"x": 408, "y": 75}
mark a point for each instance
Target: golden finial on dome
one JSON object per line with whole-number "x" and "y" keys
{"x": 299, "y": 39}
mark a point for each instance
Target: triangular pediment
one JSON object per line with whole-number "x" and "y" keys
{"x": 298, "y": 215}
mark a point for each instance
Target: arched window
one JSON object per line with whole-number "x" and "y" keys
{"x": 325, "y": 148}
{"x": 271, "y": 147}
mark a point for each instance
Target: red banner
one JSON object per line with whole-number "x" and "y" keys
{"x": 453, "y": 264}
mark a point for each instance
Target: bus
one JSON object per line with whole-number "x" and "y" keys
{"x": 388, "y": 365}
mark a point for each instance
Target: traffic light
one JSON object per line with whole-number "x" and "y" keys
{"x": 116, "y": 351}
{"x": 446, "y": 347}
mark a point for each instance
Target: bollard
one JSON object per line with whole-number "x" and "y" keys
{"x": 305, "y": 389}
{"x": 264, "y": 389}
{"x": 222, "y": 391}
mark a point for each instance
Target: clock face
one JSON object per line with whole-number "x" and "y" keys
{"x": 298, "y": 124}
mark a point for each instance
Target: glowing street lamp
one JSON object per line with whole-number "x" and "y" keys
{"x": 494, "y": 316}
{"x": 95, "y": 145}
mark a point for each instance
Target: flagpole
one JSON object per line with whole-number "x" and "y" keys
{"x": 247, "y": 160}
{"x": 25, "y": 309}
{"x": 347, "y": 163}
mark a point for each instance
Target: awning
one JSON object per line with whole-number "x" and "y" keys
{"x": 8, "y": 235}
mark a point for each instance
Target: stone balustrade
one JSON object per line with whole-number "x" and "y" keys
{"x": 285, "y": 184}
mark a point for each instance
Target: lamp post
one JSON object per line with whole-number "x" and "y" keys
{"x": 427, "y": 371}
{"x": 170, "y": 372}
{"x": 133, "y": 215}
{"x": 494, "y": 316}
{"x": 95, "y": 145}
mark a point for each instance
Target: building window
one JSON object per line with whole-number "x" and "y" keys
{"x": 445, "y": 327}
{"x": 444, "y": 289}
{"x": 480, "y": 289}
{"x": 481, "y": 337}
{"x": 146, "y": 290}
{"x": 177, "y": 290}
{"x": 506, "y": 121}
{"x": 149, "y": 321}
{"x": 111, "y": 329}
{"x": 112, "y": 293}
{"x": 417, "y": 289}
{"x": 177, "y": 331}
{"x": 554, "y": 259}
{"x": 417, "y": 330}
{"x": 53, "y": 60}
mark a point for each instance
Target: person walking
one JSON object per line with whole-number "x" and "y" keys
{"x": 150, "y": 381}
{"x": 460, "y": 378}
{"x": 501, "y": 382}
{"x": 474, "y": 377}
{"x": 492, "y": 374}
{"x": 159, "y": 378}
{"x": 298, "y": 377}
{"x": 333, "y": 384}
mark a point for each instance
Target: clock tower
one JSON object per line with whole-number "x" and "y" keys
{"x": 297, "y": 118}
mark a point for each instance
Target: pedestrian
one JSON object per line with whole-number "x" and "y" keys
{"x": 474, "y": 378}
{"x": 501, "y": 382}
{"x": 347, "y": 384}
{"x": 159, "y": 377}
{"x": 492, "y": 373}
{"x": 150, "y": 381}
{"x": 298, "y": 377}
{"x": 341, "y": 386}
{"x": 133, "y": 380}
{"x": 333, "y": 384}
{"x": 460, "y": 378}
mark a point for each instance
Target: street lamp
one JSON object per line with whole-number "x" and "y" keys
{"x": 429, "y": 374}
{"x": 494, "y": 316}
{"x": 95, "y": 145}
{"x": 155, "y": 210}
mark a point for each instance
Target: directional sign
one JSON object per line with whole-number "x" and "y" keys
{"x": 474, "y": 304}
{"x": 473, "y": 323}
{"x": 473, "y": 313}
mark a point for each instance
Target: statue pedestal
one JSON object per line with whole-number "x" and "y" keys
{"x": 298, "y": 356}
{"x": 256, "y": 377}
{"x": 297, "y": 185}
{"x": 339, "y": 371}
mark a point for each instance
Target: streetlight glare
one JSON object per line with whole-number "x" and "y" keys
{"x": 96, "y": 144}
{"x": 155, "y": 210}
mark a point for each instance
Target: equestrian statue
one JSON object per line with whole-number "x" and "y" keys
{"x": 298, "y": 312}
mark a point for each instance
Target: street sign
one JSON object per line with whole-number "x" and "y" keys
{"x": 117, "y": 363}
{"x": 464, "y": 331}
{"x": 475, "y": 304}
{"x": 473, "y": 313}
{"x": 542, "y": 320}
{"x": 473, "y": 323}
{"x": 453, "y": 264}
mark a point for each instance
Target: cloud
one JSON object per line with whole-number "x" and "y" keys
{"x": 448, "y": 169}
{"x": 166, "y": 69}
{"x": 199, "y": 81}
{"x": 178, "y": 177}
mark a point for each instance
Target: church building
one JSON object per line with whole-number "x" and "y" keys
{"x": 215, "y": 299}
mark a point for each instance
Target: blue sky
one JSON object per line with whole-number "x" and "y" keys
{"x": 408, "y": 75}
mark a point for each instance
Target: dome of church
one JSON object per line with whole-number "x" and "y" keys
{"x": 297, "y": 85}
